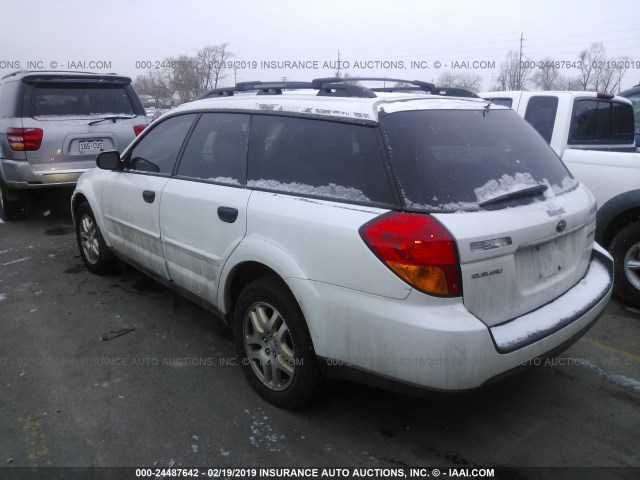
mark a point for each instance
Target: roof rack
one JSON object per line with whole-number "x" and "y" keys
{"x": 338, "y": 87}
{"x": 25, "y": 72}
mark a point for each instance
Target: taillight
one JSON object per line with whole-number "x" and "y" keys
{"x": 137, "y": 129}
{"x": 418, "y": 249}
{"x": 24, "y": 139}
{"x": 608, "y": 96}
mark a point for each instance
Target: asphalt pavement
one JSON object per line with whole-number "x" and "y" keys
{"x": 119, "y": 371}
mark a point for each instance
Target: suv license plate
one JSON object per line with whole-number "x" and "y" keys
{"x": 91, "y": 146}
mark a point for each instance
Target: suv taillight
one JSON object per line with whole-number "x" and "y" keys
{"x": 418, "y": 249}
{"x": 24, "y": 139}
{"x": 137, "y": 129}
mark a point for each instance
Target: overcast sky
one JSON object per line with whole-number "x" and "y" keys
{"x": 122, "y": 34}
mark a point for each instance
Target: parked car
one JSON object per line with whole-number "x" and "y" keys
{"x": 633, "y": 94}
{"x": 593, "y": 133}
{"x": 52, "y": 126}
{"x": 409, "y": 240}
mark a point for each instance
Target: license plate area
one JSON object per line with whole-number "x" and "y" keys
{"x": 91, "y": 146}
{"x": 537, "y": 265}
{"x": 550, "y": 258}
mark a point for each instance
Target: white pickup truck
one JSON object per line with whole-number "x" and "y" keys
{"x": 593, "y": 134}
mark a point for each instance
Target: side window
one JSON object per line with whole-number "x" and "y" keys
{"x": 601, "y": 122}
{"x": 541, "y": 115}
{"x": 217, "y": 149}
{"x": 158, "y": 150}
{"x": 318, "y": 158}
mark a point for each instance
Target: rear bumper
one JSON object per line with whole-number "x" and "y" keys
{"x": 18, "y": 174}
{"x": 432, "y": 343}
{"x": 576, "y": 303}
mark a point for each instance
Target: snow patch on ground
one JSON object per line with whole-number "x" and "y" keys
{"x": 3, "y": 297}
{"x": 556, "y": 314}
{"x": 262, "y": 435}
{"x": 626, "y": 382}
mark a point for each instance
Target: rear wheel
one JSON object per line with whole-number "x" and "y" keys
{"x": 274, "y": 345}
{"x": 93, "y": 250}
{"x": 625, "y": 248}
{"x": 12, "y": 205}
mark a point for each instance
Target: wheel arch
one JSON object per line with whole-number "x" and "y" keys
{"x": 81, "y": 196}
{"x": 616, "y": 214}
{"x": 255, "y": 258}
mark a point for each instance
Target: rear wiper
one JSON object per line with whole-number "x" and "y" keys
{"x": 113, "y": 118}
{"x": 525, "y": 192}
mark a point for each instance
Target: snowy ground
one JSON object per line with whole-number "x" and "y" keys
{"x": 168, "y": 391}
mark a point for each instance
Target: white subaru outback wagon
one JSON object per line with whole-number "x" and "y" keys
{"x": 403, "y": 238}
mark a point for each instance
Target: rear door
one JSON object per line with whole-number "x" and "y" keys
{"x": 131, "y": 197}
{"x": 79, "y": 118}
{"x": 524, "y": 227}
{"x": 203, "y": 209}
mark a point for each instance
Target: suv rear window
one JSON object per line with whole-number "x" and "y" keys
{"x": 80, "y": 100}
{"x": 450, "y": 160}
{"x": 601, "y": 122}
{"x": 318, "y": 158}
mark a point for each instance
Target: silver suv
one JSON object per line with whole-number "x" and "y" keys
{"x": 408, "y": 239}
{"x": 53, "y": 124}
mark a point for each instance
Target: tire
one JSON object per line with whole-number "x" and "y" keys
{"x": 625, "y": 249}
{"x": 12, "y": 206}
{"x": 94, "y": 252}
{"x": 274, "y": 345}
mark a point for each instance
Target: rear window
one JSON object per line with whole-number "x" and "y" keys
{"x": 450, "y": 160}
{"x": 81, "y": 100}
{"x": 601, "y": 122}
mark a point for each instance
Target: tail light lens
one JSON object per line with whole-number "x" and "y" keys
{"x": 418, "y": 249}
{"x": 137, "y": 129}
{"x": 24, "y": 139}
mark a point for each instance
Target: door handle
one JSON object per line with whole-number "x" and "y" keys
{"x": 149, "y": 196}
{"x": 227, "y": 214}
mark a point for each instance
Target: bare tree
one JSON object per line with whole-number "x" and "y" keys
{"x": 514, "y": 74}
{"x": 568, "y": 83}
{"x": 589, "y": 61}
{"x": 547, "y": 76}
{"x": 468, "y": 81}
{"x": 154, "y": 84}
{"x": 610, "y": 74}
{"x": 183, "y": 78}
{"x": 212, "y": 63}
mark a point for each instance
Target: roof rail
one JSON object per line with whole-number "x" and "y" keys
{"x": 263, "y": 88}
{"x": 338, "y": 87}
{"x": 24, "y": 72}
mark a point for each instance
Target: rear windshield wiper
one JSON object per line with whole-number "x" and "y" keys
{"x": 113, "y": 118}
{"x": 525, "y": 192}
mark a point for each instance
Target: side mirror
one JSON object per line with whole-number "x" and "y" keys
{"x": 108, "y": 160}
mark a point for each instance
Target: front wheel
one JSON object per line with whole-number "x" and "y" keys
{"x": 93, "y": 250}
{"x": 625, "y": 249}
{"x": 274, "y": 345}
